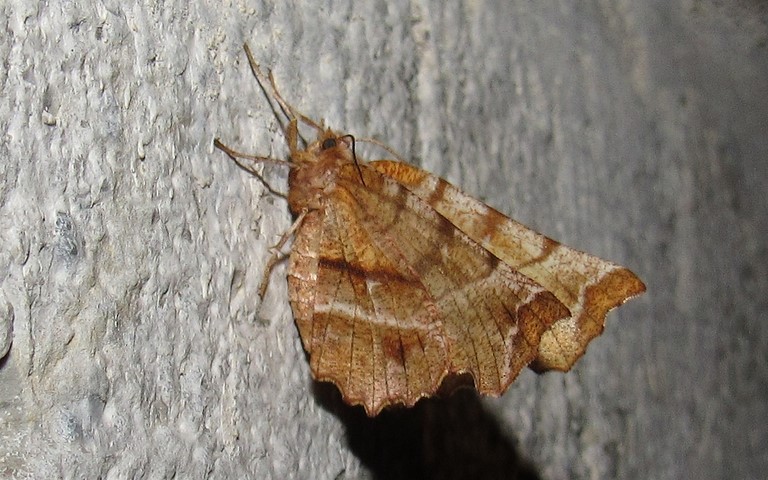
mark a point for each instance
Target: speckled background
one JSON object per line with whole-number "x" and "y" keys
{"x": 135, "y": 344}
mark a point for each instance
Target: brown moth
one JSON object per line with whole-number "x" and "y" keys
{"x": 399, "y": 281}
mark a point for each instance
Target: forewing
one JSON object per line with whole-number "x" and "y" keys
{"x": 390, "y": 297}
{"x": 587, "y": 285}
{"x": 366, "y": 323}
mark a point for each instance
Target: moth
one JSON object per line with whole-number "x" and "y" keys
{"x": 401, "y": 283}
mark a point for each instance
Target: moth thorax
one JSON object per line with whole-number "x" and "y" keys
{"x": 315, "y": 177}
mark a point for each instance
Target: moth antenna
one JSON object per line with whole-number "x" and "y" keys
{"x": 354, "y": 157}
{"x": 385, "y": 147}
{"x": 279, "y": 112}
{"x": 269, "y": 79}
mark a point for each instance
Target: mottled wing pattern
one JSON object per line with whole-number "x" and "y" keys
{"x": 587, "y": 285}
{"x": 390, "y": 297}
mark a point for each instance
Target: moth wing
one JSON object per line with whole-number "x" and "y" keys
{"x": 589, "y": 286}
{"x": 390, "y": 297}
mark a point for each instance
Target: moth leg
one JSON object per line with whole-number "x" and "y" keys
{"x": 236, "y": 156}
{"x": 254, "y": 158}
{"x": 276, "y": 254}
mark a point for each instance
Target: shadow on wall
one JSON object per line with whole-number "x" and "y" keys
{"x": 451, "y": 438}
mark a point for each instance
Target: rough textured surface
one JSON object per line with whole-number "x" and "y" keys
{"x": 130, "y": 250}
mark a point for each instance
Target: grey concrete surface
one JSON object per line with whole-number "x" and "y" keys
{"x": 134, "y": 344}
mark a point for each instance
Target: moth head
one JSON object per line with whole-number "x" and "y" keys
{"x": 330, "y": 148}
{"x": 328, "y": 143}
{"x": 332, "y": 143}
{"x": 318, "y": 168}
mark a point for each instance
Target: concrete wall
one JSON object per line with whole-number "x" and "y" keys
{"x": 131, "y": 250}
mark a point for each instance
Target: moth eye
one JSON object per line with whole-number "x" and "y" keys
{"x": 329, "y": 143}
